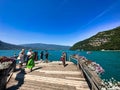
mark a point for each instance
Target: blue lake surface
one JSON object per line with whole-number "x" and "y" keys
{"x": 109, "y": 60}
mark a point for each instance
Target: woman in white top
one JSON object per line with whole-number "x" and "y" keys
{"x": 21, "y": 56}
{"x": 29, "y": 53}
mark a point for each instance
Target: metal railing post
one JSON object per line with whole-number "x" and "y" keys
{"x": 70, "y": 58}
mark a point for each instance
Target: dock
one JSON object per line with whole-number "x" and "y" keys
{"x": 49, "y": 76}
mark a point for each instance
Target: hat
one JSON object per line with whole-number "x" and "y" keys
{"x": 23, "y": 49}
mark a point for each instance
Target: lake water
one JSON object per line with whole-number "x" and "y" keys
{"x": 109, "y": 60}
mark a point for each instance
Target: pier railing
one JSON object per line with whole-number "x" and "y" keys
{"x": 93, "y": 79}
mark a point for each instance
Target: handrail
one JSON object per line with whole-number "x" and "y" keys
{"x": 94, "y": 81}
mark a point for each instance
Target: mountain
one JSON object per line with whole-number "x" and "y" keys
{"x": 7, "y": 46}
{"x": 46, "y": 46}
{"x": 108, "y": 40}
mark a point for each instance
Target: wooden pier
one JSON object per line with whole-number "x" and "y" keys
{"x": 49, "y": 76}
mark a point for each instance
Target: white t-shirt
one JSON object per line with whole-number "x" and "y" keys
{"x": 29, "y": 53}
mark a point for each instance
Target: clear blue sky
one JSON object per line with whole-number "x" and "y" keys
{"x": 62, "y": 22}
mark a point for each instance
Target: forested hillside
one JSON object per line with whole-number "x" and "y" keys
{"x": 108, "y": 40}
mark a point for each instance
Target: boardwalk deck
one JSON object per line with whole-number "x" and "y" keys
{"x": 49, "y": 76}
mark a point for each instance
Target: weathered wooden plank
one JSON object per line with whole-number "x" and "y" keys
{"x": 51, "y": 76}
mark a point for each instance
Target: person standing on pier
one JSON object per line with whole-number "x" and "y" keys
{"x": 21, "y": 58}
{"x": 63, "y": 58}
{"x": 46, "y": 56}
{"x": 41, "y": 55}
{"x": 31, "y": 63}
{"x": 29, "y": 53}
{"x": 15, "y": 56}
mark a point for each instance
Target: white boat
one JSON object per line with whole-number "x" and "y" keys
{"x": 89, "y": 52}
{"x": 103, "y": 50}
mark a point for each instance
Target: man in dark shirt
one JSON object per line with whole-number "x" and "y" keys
{"x": 46, "y": 56}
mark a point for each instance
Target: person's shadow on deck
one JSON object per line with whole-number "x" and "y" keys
{"x": 20, "y": 78}
{"x": 37, "y": 68}
{"x": 65, "y": 65}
